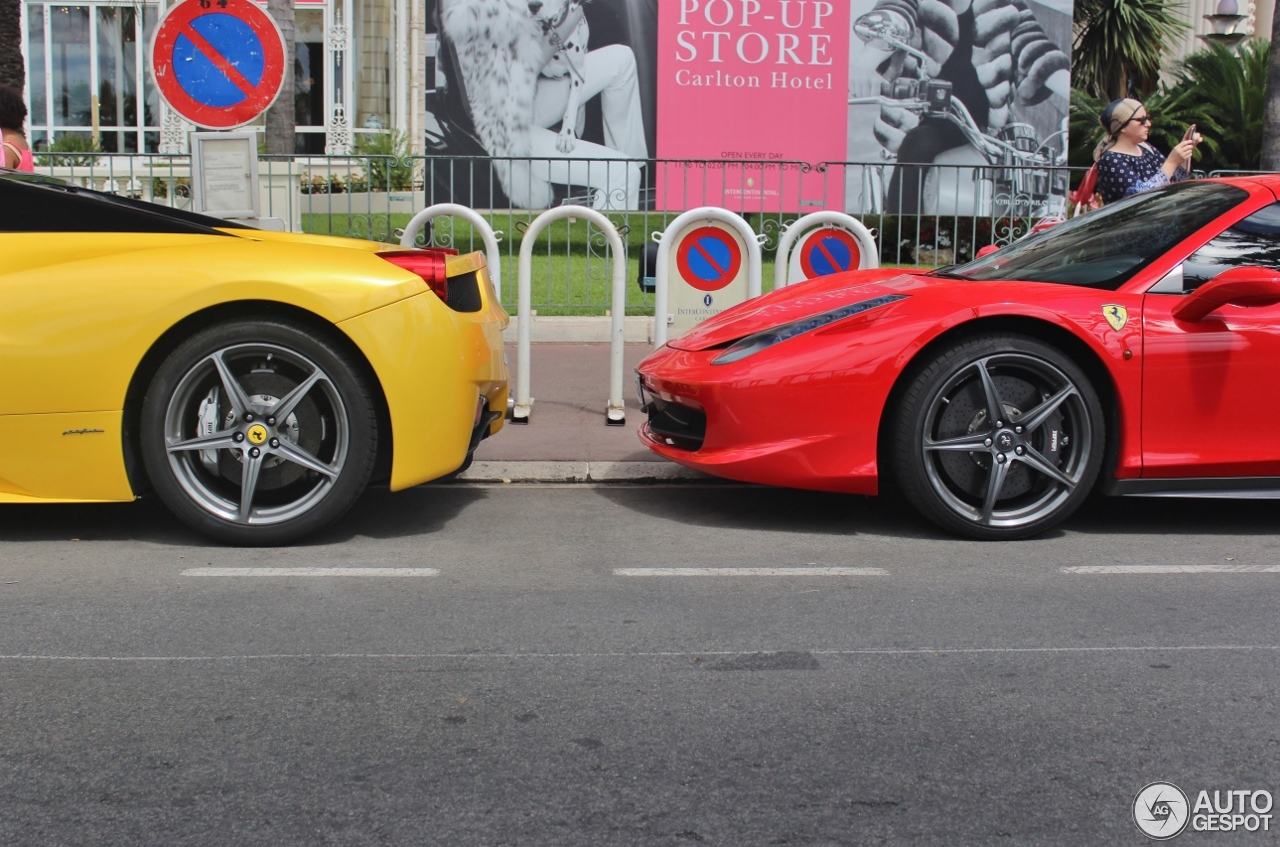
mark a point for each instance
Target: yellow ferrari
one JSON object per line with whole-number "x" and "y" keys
{"x": 255, "y": 381}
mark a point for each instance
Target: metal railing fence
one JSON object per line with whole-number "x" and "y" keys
{"x": 921, "y": 215}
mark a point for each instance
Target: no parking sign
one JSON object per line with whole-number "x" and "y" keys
{"x": 709, "y": 258}
{"x": 707, "y": 274}
{"x": 824, "y": 251}
{"x": 218, "y": 63}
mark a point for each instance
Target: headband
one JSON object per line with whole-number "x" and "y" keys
{"x": 1113, "y": 119}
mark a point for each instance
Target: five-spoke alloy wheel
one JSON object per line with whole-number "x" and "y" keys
{"x": 1000, "y": 436}
{"x": 258, "y": 432}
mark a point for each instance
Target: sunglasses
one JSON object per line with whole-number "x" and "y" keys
{"x": 1145, "y": 119}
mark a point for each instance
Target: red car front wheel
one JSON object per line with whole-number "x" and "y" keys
{"x": 999, "y": 437}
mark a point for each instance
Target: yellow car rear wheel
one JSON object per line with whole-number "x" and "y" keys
{"x": 259, "y": 432}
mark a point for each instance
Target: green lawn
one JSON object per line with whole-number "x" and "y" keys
{"x": 567, "y": 278}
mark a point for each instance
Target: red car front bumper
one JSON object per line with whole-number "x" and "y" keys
{"x": 796, "y": 420}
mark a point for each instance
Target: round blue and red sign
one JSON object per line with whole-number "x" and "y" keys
{"x": 709, "y": 258}
{"x": 829, "y": 251}
{"x": 218, "y": 63}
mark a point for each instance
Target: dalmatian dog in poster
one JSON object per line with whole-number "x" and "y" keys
{"x": 500, "y": 49}
{"x": 567, "y": 61}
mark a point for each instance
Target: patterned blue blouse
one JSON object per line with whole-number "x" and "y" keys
{"x": 1120, "y": 174}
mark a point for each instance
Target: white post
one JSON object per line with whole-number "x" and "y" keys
{"x": 755, "y": 264}
{"x": 400, "y": 47}
{"x": 339, "y": 99}
{"x": 492, "y": 254}
{"x": 870, "y": 257}
{"x": 615, "y": 414}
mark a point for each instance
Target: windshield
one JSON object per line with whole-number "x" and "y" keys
{"x": 1105, "y": 248}
{"x": 30, "y": 203}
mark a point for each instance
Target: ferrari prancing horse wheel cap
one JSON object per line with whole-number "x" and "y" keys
{"x": 257, "y": 434}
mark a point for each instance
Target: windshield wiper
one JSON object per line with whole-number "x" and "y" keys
{"x": 946, "y": 273}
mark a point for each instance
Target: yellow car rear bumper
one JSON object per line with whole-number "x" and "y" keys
{"x": 434, "y": 364}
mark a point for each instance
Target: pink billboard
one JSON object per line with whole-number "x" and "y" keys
{"x": 761, "y": 87}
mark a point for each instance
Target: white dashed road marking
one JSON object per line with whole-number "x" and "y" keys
{"x": 661, "y": 654}
{"x": 310, "y": 572}
{"x": 750, "y": 572}
{"x": 1161, "y": 569}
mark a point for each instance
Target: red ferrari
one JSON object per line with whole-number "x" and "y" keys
{"x": 1134, "y": 350}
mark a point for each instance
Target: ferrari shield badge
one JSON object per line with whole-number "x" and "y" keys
{"x": 1117, "y": 316}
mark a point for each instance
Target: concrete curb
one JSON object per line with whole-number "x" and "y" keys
{"x": 514, "y": 471}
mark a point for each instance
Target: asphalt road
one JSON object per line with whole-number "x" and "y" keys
{"x": 948, "y": 693}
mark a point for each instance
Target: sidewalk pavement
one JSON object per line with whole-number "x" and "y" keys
{"x": 566, "y": 438}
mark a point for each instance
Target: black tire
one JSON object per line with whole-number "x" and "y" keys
{"x": 974, "y": 478}
{"x": 308, "y": 468}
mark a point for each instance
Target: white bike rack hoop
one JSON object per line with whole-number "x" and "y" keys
{"x": 870, "y": 256}
{"x": 661, "y": 283}
{"x": 493, "y": 255}
{"x": 615, "y": 414}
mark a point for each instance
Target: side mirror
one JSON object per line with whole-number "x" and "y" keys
{"x": 883, "y": 29}
{"x": 986, "y": 250}
{"x": 1246, "y": 286}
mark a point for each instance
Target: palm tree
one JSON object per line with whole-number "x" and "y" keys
{"x": 12, "y": 71}
{"x": 1120, "y": 44}
{"x": 281, "y": 120}
{"x": 1271, "y": 117}
{"x": 1222, "y": 90}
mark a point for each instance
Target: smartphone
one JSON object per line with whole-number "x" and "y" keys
{"x": 1190, "y": 134}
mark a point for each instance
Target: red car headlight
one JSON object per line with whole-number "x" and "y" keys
{"x": 753, "y": 344}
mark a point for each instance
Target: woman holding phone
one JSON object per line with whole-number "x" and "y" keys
{"x": 1127, "y": 164}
